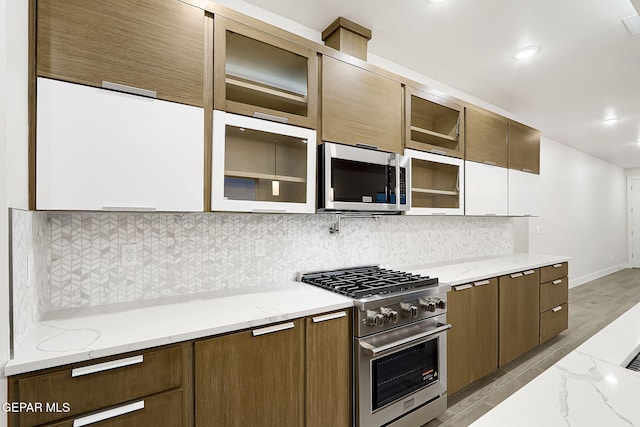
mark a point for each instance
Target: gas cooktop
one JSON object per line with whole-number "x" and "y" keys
{"x": 362, "y": 282}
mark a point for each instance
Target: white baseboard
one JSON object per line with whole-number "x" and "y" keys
{"x": 596, "y": 275}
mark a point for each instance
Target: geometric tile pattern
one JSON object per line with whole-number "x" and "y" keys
{"x": 29, "y": 267}
{"x": 190, "y": 253}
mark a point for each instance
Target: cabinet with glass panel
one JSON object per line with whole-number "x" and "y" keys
{"x": 261, "y": 75}
{"x": 262, "y": 166}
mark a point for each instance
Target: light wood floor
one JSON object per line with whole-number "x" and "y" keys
{"x": 591, "y": 307}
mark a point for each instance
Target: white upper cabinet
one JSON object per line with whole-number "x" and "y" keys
{"x": 524, "y": 193}
{"x": 436, "y": 183}
{"x": 262, "y": 166}
{"x": 105, "y": 150}
{"x": 485, "y": 189}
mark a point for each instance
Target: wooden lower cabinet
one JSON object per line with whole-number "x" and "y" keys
{"x": 519, "y": 302}
{"x": 554, "y": 297}
{"x": 472, "y": 342}
{"x": 328, "y": 370}
{"x": 251, "y": 378}
{"x": 161, "y": 378}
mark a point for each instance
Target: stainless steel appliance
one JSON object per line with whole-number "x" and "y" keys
{"x": 399, "y": 346}
{"x": 356, "y": 178}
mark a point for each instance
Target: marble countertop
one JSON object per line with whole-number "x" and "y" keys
{"x": 588, "y": 387}
{"x": 83, "y": 334}
{"x": 79, "y": 335}
{"x": 459, "y": 272}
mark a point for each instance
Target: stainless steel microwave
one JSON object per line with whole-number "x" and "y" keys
{"x": 352, "y": 178}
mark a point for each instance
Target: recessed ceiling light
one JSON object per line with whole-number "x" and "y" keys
{"x": 610, "y": 120}
{"x": 526, "y": 52}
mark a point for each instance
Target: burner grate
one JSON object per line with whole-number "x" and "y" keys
{"x": 363, "y": 282}
{"x": 634, "y": 365}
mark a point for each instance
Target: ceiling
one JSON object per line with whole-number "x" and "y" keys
{"x": 588, "y": 67}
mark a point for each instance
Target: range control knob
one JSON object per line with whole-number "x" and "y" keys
{"x": 409, "y": 310}
{"x": 374, "y": 318}
{"x": 441, "y": 304}
{"x": 391, "y": 316}
{"x": 428, "y": 305}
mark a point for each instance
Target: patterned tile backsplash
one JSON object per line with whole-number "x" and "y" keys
{"x": 190, "y": 253}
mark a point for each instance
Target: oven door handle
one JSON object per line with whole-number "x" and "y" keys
{"x": 371, "y": 350}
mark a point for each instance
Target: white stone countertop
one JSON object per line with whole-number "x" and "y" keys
{"x": 459, "y": 272}
{"x": 588, "y": 387}
{"x": 78, "y": 335}
{"x": 84, "y": 334}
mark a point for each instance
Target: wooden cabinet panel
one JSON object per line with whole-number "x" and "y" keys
{"x": 328, "y": 370}
{"x": 152, "y": 372}
{"x": 360, "y": 107}
{"x": 472, "y": 342}
{"x": 161, "y": 410}
{"x": 524, "y": 148}
{"x": 125, "y": 152}
{"x": 485, "y": 138}
{"x": 259, "y": 73}
{"x": 553, "y": 321}
{"x": 251, "y": 377}
{"x": 519, "y": 314}
{"x": 486, "y": 189}
{"x": 157, "y": 45}
{"x": 553, "y": 272}
{"x": 553, "y": 294}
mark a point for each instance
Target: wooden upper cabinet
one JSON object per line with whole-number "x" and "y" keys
{"x": 524, "y": 148}
{"x": 433, "y": 124}
{"x": 485, "y": 138}
{"x": 261, "y": 75}
{"x": 360, "y": 107}
{"x": 153, "y": 45}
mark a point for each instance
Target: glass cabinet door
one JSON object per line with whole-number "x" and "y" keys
{"x": 260, "y": 75}
{"x": 433, "y": 124}
{"x": 437, "y": 184}
{"x": 262, "y": 166}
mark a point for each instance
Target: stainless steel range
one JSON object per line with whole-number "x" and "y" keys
{"x": 400, "y": 343}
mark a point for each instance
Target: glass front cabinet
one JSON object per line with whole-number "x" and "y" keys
{"x": 262, "y": 166}
{"x": 436, "y": 184}
{"x": 261, "y": 75}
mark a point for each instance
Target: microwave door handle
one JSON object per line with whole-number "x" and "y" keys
{"x": 374, "y": 351}
{"x": 394, "y": 162}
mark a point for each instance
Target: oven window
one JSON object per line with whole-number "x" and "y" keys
{"x": 359, "y": 182}
{"x": 401, "y": 373}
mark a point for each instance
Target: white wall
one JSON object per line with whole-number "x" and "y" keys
{"x": 13, "y": 147}
{"x": 584, "y": 213}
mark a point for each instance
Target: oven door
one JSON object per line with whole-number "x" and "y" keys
{"x": 400, "y": 370}
{"x": 354, "y": 178}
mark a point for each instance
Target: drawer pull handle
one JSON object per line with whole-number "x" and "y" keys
{"x": 128, "y": 209}
{"x": 270, "y": 117}
{"x": 462, "y": 287}
{"x": 527, "y": 170}
{"x": 528, "y": 272}
{"x": 111, "y": 413}
{"x": 515, "y": 275}
{"x": 557, "y": 309}
{"x": 557, "y": 265}
{"x": 482, "y": 283}
{"x": 129, "y": 89}
{"x": 436, "y": 151}
{"x": 489, "y": 162}
{"x": 369, "y": 146}
{"x": 331, "y": 316}
{"x": 106, "y": 366}
{"x": 557, "y": 282}
{"x": 272, "y": 329}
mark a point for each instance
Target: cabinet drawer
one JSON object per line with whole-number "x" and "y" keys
{"x": 97, "y": 385}
{"x": 553, "y": 272}
{"x": 553, "y": 321}
{"x": 553, "y": 294}
{"x": 161, "y": 410}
